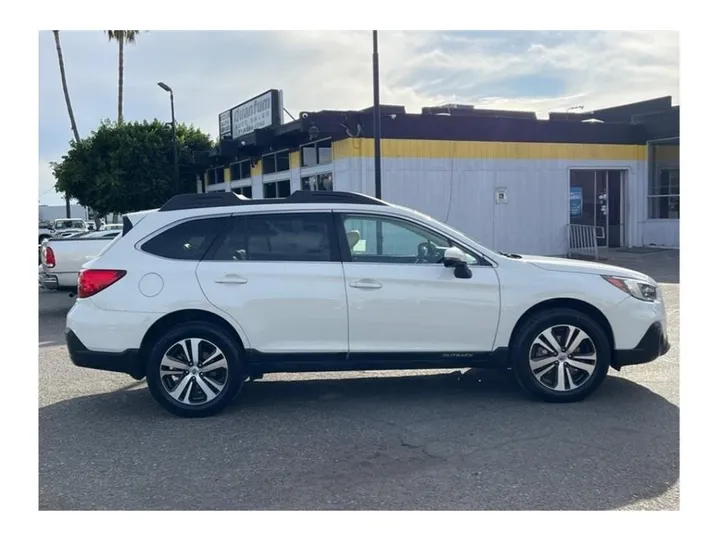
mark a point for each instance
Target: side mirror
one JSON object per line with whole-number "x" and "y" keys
{"x": 455, "y": 258}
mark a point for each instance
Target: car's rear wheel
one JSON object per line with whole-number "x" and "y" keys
{"x": 560, "y": 355}
{"x": 195, "y": 369}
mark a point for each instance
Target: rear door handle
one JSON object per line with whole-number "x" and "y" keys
{"x": 366, "y": 284}
{"x": 232, "y": 280}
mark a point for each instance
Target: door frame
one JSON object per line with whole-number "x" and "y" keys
{"x": 625, "y": 170}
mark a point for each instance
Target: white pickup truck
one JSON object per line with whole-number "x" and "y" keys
{"x": 61, "y": 259}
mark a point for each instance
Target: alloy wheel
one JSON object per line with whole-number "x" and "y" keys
{"x": 563, "y": 358}
{"x": 194, "y": 371}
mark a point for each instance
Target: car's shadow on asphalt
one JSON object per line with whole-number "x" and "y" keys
{"x": 439, "y": 441}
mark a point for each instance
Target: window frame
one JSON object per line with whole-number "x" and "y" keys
{"x": 655, "y": 171}
{"x": 274, "y": 156}
{"x": 276, "y": 181}
{"x": 239, "y": 164}
{"x": 346, "y": 253}
{"x": 212, "y": 180}
{"x": 316, "y": 174}
{"x": 327, "y": 216}
{"x": 314, "y": 145}
{"x": 656, "y": 182}
{"x": 218, "y": 233}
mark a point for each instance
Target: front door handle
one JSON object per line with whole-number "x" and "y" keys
{"x": 366, "y": 284}
{"x": 232, "y": 280}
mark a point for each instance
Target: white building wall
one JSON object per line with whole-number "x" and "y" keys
{"x": 661, "y": 232}
{"x": 52, "y": 212}
{"x": 295, "y": 179}
{"x": 461, "y": 192}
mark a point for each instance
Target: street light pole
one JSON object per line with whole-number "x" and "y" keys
{"x": 174, "y": 135}
{"x": 376, "y": 115}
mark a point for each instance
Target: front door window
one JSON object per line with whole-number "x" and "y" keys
{"x": 393, "y": 241}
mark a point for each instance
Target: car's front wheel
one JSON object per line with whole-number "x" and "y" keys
{"x": 195, "y": 369}
{"x": 560, "y": 355}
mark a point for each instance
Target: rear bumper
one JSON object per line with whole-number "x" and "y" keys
{"x": 65, "y": 281}
{"x": 48, "y": 282}
{"x": 127, "y": 361}
{"x": 653, "y": 345}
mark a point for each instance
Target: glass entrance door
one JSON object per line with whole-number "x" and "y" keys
{"x": 596, "y": 199}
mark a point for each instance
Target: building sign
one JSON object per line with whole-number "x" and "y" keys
{"x": 501, "y": 195}
{"x": 225, "y": 125}
{"x": 259, "y": 112}
{"x": 576, "y": 201}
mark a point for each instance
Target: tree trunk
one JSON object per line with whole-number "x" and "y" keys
{"x": 73, "y": 125}
{"x": 121, "y": 54}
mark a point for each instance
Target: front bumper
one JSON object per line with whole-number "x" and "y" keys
{"x": 128, "y": 361}
{"x": 653, "y": 345}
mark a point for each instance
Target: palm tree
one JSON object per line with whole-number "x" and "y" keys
{"x": 122, "y": 37}
{"x": 73, "y": 125}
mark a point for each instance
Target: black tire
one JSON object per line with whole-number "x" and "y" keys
{"x": 229, "y": 347}
{"x": 520, "y": 350}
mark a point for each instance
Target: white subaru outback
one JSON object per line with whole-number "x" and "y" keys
{"x": 212, "y": 290}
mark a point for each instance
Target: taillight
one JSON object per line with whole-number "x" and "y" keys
{"x": 49, "y": 256}
{"x": 92, "y": 281}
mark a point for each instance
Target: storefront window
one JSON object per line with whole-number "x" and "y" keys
{"x": 216, "y": 176}
{"x": 275, "y": 190}
{"x": 309, "y": 156}
{"x": 324, "y": 152}
{"x": 240, "y": 170}
{"x": 317, "y": 153}
{"x": 664, "y": 186}
{"x": 317, "y": 182}
{"x": 277, "y": 162}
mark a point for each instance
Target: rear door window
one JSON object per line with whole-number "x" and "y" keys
{"x": 278, "y": 237}
{"x": 188, "y": 241}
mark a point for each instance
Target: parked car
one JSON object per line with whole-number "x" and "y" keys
{"x": 69, "y": 225}
{"x": 44, "y": 231}
{"x": 62, "y": 258}
{"x": 213, "y": 290}
{"x": 112, "y": 227}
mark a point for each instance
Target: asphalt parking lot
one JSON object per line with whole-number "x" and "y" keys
{"x": 390, "y": 440}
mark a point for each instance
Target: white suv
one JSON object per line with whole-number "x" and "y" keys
{"x": 212, "y": 290}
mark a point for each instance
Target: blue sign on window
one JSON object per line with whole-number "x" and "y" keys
{"x": 576, "y": 201}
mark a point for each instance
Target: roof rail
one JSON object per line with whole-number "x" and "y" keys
{"x": 189, "y": 201}
{"x": 340, "y": 197}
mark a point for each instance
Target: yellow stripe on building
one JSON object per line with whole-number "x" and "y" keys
{"x": 294, "y": 160}
{"x": 412, "y": 148}
{"x": 226, "y": 175}
{"x": 666, "y": 152}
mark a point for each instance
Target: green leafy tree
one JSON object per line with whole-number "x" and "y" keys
{"x": 122, "y": 37}
{"x": 125, "y": 167}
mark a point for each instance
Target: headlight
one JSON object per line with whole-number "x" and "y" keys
{"x": 641, "y": 290}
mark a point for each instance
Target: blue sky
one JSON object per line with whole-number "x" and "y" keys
{"x": 211, "y": 71}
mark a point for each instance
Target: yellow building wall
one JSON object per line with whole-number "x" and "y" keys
{"x": 435, "y": 149}
{"x": 294, "y": 160}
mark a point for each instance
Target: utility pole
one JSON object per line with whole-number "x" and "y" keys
{"x": 376, "y": 116}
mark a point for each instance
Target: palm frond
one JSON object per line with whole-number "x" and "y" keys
{"x": 128, "y": 36}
